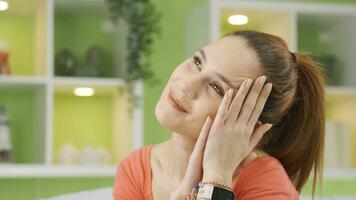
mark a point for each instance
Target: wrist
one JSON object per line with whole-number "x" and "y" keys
{"x": 180, "y": 193}
{"x": 215, "y": 176}
{"x": 176, "y": 196}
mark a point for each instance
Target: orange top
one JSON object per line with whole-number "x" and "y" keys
{"x": 263, "y": 178}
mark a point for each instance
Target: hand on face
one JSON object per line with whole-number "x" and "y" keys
{"x": 233, "y": 135}
{"x": 226, "y": 144}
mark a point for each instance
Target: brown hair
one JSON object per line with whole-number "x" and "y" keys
{"x": 295, "y": 107}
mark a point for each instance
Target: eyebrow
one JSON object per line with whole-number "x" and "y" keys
{"x": 220, "y": 76}
{"x": 202, "y": 52}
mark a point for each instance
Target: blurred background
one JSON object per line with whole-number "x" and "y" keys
{"x": 69, "y": 114}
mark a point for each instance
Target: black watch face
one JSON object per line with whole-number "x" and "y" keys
{"x": 222, "y": 194}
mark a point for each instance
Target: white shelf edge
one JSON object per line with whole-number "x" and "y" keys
{"x": 78, "y": 81}
{"x": 345, "y": 173}
{"x": 23, "y": 80}
{"x": 67, "y": 171}
{"x": 340, "y": 90}
{"x": 305, "y": 7}
{"x": 137, "y": 124}
{"x": 45, "y": 171}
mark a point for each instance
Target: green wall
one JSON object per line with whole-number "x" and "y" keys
{"x": 17, "y": 31}
{"x": 333, "y": 188}
{"x": 169, "y": 51}
{"x": 77, "y": 32}
{"x": 34, "y": 189}
{"x": 73, "y": 120}
{"x": 20, "y": 107}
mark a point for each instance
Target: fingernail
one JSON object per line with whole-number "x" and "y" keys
{"x": 269, "y": 126}
{"x": 262, "y": 80}
{"x": 231, "y": 91}
{"x": 228, "y": 92}
{"x": 269, "y": 87}
{"x": 248, "y": 83}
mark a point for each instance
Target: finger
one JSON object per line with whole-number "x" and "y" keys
{"x": 258, "y": 123}
{"x": 262, "y": 98}
{"x": 239, "y": 98}
{"x": 223, "y": 108}
{"x": 257, "y": 135}
{"x": 194, "y": 169}
{"x": 200, "y": 144}
{"x": 250, "y": 101}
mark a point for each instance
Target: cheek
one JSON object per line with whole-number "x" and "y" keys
{"x": 181, "y": 71}
{"x": 209, "y": 108}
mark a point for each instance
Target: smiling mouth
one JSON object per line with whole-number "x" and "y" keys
{"x": 176, "y": 104}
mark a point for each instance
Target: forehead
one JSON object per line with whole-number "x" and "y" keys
{"x": 232, "y": 57}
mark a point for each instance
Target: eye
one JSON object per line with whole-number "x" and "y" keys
{"x": 197, "y": 62}
{"x": 217, "y": 89}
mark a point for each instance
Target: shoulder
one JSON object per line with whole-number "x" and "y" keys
{"x": 132, "y": 174}
{"x": 136, "y": 160}
{"x": 265, "y": 177}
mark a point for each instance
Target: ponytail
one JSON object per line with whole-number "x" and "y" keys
{"x": 309, "y": 112}
{"x": 299, "y": 145}
{"x": 295, "y": 107}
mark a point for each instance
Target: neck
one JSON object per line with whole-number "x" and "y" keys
{"x": 175, "y": 156}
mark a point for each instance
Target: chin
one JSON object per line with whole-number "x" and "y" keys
{"x": 165, "y": 118}
{"x": 172, "y": 122}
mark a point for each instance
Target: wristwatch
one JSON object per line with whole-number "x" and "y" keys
{"x": 212, "y": 192}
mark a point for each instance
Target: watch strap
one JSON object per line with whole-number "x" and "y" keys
{"x": 213, "y": 192}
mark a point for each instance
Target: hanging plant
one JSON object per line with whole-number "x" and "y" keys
{"x": 142, "y": 19}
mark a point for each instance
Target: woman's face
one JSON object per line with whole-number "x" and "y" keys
{"x": 200, "y": 82}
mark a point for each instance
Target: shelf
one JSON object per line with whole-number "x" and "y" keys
{"x": 347, "y": 173}
{"x": 338, "y": 173}
{"x": 332, "y": 90}
{"x": 78, "y": 81}
{"x": 101, "y": 121}
{"x": 277, "y": 22}
{"x": 25, "y": 109}
{"x": 37, "y": 171}
{"x": 340, "y": 135}
{"x": 74, "y": 81}
{"x": 85, "y": 36}
{"x": 43, "y": 171}
{"x": 22, "y": 80}
{"x": 329, "y": 38}
{"x": 24, "y": 32}
{"x": 43, "y": 112}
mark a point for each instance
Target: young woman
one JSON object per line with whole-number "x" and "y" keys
{"x": 246, "y": 116}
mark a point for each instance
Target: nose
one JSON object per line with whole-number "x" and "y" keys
{"x": 189, "y": 87}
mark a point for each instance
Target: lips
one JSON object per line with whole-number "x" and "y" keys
{"x": 176, "y": 103}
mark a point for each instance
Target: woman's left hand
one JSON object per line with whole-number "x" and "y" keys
{"x": 194, "y": 171}
{"x": 232, "y": 135}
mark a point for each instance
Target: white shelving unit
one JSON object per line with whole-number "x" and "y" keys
{"x": 127, "y": 132}
{"x": 11, "y": 80}
{"x": 40, "y": 171}
{"x": 335, "y": 24}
